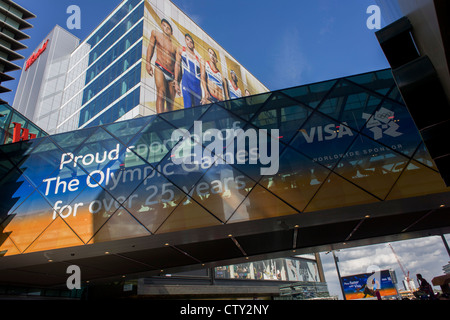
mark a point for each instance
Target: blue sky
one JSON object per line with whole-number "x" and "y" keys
{"x": 287, "y": 43}
{"x": 284, "y": 43}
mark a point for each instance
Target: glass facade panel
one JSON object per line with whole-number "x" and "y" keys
{"x": 408, "y": 186}
{"x": 113, "y": 53}
{"x": 284, "y": 114}
{"x": 371, "y": 166}
{"x": 221, "y": 190}
{"x": 111, "y": 74}
{"x": 337, "y": 192}
{"x": 297, "y": 180}
{"x": 261, "y": 204}
{"x": 324, "y": 139}
{"x": 392, "y": 126}
{"x": 113, "y": 30}
{"x": 349, "y": 105}
{"x": 330, "y": 145}
{"x": 252, "y": 105}
{"x": 8, "y": 117}
{"x": 311, "y": 95}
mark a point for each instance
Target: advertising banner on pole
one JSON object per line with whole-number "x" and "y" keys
{"x": 366, "y": 285}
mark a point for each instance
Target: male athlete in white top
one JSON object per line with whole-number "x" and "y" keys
{"x": 188, "y": 62}
{"x": 212, "y": 80}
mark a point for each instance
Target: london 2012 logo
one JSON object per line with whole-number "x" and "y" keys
{"x": 382, "y": 123}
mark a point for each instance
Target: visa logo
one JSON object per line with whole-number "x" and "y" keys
{"x": 328, "y": 132}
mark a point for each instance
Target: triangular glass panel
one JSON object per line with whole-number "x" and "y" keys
{"x": 188, "y": 215}
{"x": 260, "y": 204}
{"x": 349, "y": 104}
{"x": 221, "y": 190}
{"x": 424, "y": 157}
{"x": 17, "y": 152}
{"x": 379, "y": 81}
{"x": 57, "y": 235}
{"x": 312, "y": 94}
{"x": 15, "y": 189}
{"x": 297, "y": 180}
{"x": 124, "y": 131}
{"x": 8, "y": 248}
{"x": 47, "y": 157}
{"x": 392, "y": 125}
{"x": 184, "y": 118}
{"x": 205, "y": 145}
{"x": 121, "y": 225}
{"x": 91, "y": 208}
{"x": 246, "y": 107}
{"x": 255, "y": 152}
{"x": 417, "y": 180}
{"x": 396, "y": 95}
{"x": 218, "y": 118}
{"x": 154, "y": 200}
{"x": 80, "y": 207}
{"x": 98, "y": 154}
{"x": 5, "y": 165}
{"x": 323, "y": 139}
{"x": 283, "y": 114}
{"x": 152, "y": 143}
{"x": 30, "y": 219}
{"x": 70, "y": 141}
{"x": 337, "y": 192}
{"x": 182, "y": 167}
{"x": 371, "y": 166}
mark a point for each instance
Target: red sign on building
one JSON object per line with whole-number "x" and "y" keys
{"x": 35, "y": 55}
{"x": 20, "y": 134}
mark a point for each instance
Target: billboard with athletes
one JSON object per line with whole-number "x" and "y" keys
{"x": 183, "y": 67}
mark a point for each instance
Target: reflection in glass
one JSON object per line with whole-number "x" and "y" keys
{"x": 392, "y": 125}
{"x": 297, "y": 179}
{"x": 261, "y": 204}
{"x": 311, "y": 95}
{"x": 284, "y": 114}
{"x": 337, "y": 192}
{"x": 371, "y": 166}
{"x": 124, "y": 179}
{"x": 323, "y": 139}
{"x": 221, "y": 190}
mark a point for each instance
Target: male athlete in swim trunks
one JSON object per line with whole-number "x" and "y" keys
{"x": 165, "y": 65}
{"x": 232, "y": 91}
{"x": 189, "y": 64}
{"x": 212, "y": 80}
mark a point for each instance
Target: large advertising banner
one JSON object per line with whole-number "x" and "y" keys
{"x": 110, "y": 183}
{"x": 151, "y": 175}
{"x": 366, "y": 285}
{"x": 183, "y": 67}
